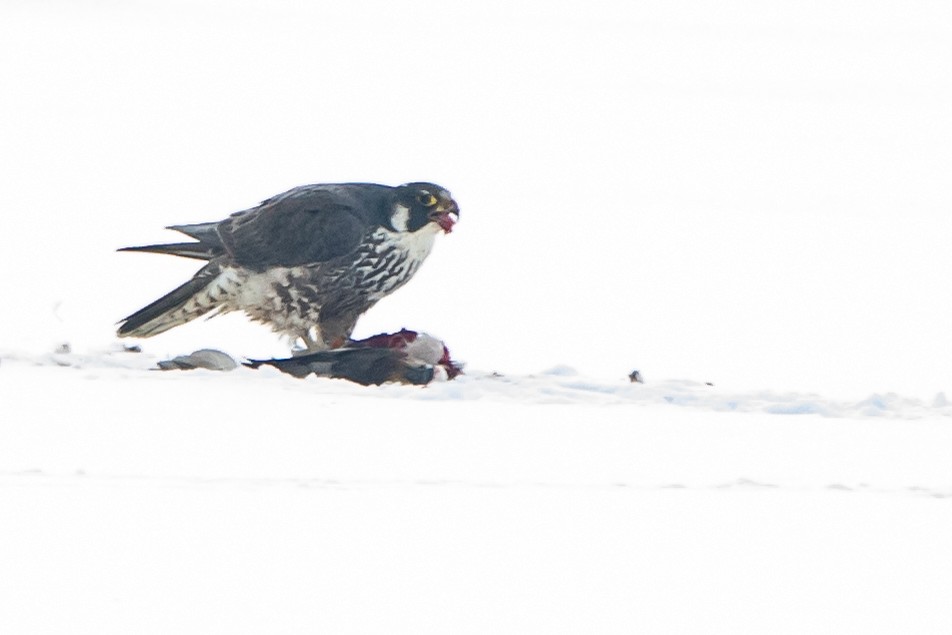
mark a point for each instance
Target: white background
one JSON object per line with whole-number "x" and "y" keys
{"x": 751, "y": 193}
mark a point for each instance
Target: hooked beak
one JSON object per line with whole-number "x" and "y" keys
{"x": 445, "y": 215}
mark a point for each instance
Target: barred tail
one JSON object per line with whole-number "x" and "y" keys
{"x": 189, "y": 301}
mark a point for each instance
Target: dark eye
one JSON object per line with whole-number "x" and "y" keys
{"x": 427, "y": 199}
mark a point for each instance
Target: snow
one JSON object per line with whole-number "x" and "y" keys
{"x": 251, "y": 502}
{"x": 747, "y": 202}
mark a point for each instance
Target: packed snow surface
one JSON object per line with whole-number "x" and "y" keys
{"x": 145, "y": 501}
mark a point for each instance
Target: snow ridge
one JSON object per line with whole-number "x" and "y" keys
{"x": 560, "y": 385}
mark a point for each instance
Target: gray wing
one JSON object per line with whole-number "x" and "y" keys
{"x": 208, "y": 246}
{"x": 303, "y": 226}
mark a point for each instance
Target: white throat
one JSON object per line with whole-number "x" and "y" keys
{"x": 417, "y": 245}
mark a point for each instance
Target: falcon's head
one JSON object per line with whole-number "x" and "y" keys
{"x": 417, "y": 205}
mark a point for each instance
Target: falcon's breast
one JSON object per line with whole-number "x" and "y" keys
{"x": 295, "y": 299}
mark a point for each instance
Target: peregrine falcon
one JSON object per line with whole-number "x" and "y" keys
{"x": 308, "y": 262}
